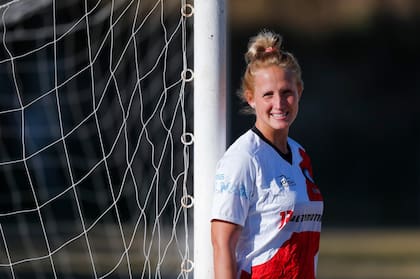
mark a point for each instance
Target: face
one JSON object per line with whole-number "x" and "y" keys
{"x": 275, "y": 100}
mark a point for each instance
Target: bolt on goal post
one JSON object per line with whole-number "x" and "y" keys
{"x": 209, "y": 120}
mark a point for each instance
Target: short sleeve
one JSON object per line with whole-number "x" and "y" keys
{"x": 233, "y": 187}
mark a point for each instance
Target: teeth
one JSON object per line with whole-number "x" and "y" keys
{"x": 279, "y": 114}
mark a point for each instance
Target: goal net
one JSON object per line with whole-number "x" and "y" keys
{"x": 95, "y": 121}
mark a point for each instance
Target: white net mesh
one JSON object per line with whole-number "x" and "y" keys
{"x": 95, "y": 114}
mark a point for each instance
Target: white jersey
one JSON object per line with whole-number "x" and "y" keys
{"x": 277, "y": 204}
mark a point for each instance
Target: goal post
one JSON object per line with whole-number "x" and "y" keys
{"x": 99, "y": 110}
{"x": 209, "y": 120}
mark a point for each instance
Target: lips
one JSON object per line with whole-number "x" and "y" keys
{"x": 279, "y": 115}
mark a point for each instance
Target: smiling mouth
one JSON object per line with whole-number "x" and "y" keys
{"x": 279, "y": 115}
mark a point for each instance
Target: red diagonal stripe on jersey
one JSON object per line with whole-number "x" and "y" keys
{"x": 294, "y": 260}
{"x": 313, "y": 191}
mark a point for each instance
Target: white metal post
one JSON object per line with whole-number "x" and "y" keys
{"x": 209, "y": 121}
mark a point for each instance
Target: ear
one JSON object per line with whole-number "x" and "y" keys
{"x": 250, "y": 98}
{"x": 300, "y": 89}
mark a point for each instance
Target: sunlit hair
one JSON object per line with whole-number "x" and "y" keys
{"x": 265, "y": 50}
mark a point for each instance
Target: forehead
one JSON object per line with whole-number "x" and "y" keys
{"x": 274, "y": 74}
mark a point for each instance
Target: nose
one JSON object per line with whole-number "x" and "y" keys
{"x": 279, "y": 101}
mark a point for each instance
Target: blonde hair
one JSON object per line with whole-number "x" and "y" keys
{"x": 265, "y": 50}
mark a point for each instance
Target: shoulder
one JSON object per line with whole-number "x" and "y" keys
{"x": 241, "y": 155}
{"x": 246, "y": 145}
{"x": 295, "y": 146}
{"x": 300, "y": 153}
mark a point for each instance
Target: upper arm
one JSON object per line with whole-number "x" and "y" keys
{"x": 234, "y": 184}
{"x": 225, "y": 234}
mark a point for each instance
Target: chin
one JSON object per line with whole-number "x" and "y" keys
{"x": 281, "y": 126}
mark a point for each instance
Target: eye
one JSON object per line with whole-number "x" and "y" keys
{"x": 268, "y": 94}
{"x": 287, "y": 93}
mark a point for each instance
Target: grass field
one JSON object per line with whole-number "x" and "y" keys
{"x": 344, "y": 254}
{"x": 369, "y": 254}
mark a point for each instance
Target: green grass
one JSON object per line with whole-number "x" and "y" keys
{"x": 369, "y": 254}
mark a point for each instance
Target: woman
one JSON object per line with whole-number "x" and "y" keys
{"x": 267, "y": 210}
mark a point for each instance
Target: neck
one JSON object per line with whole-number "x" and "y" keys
{"x": 281, "y": 145}
{"x": 276, "y": 137}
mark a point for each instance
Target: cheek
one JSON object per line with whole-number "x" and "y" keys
{"x": 263, "y": 105}
{"x": 293, "y": 101}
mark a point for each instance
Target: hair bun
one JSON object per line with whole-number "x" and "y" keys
{"x": 266, "y": 43}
